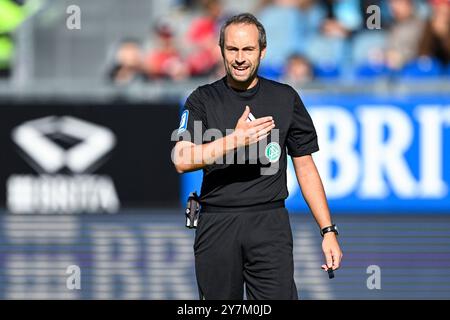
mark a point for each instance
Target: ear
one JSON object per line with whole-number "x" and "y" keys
{"x": 221, "y": 51}
{"x": 262, "y": 54}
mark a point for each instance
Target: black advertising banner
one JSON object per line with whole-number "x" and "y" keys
{"x": 87, "y": 158}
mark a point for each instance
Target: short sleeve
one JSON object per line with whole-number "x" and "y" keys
{"x": 193, "y": 119}
{"x": 301, "y": 137}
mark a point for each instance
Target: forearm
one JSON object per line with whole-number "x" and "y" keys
{"x": 314, "y": 195}
{"x": 194, "y": 157}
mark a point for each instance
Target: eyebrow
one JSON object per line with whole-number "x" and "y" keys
{"x": 244, "y": 48}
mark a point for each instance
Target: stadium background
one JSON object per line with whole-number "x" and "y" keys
{"x": 86, "y": 116}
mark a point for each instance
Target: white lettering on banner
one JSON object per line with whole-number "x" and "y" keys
{"x": 169, "y": 274}
{"x": 116, "y": 255}
{"x": 38, "y": 274}
{"x": 61, "y": 194}
{"x": 340, "y": 149}
{"x": 380, "y": 166}
{"x": 51, "y": 191}
{"x": 133, "y": 258}
{"x": 385, "y": 157}
{"x": 432, "y": 120}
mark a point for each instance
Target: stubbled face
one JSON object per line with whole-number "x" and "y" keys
{"x": 242, "y": 54}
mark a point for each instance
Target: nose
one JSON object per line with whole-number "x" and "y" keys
{"x": 240, "y": 59}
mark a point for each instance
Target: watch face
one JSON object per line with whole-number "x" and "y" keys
{"x": 337, "y": 230}
{"x": 332, "y": 228}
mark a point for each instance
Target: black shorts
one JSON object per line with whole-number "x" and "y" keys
{"x": 252, "y": 248}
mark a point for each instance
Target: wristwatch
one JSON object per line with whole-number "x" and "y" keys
{"x": 332, "y": 228}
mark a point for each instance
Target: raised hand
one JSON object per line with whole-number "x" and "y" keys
{"x": 248, "y": 132}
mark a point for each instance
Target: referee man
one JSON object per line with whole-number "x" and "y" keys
{"x": 243, "y": 236}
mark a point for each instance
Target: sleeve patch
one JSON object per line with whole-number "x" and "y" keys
{"x": 183, "y": 121}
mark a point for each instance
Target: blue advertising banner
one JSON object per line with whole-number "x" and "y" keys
{"x": 148, "y": 254}
{"x": 378, "y": 153}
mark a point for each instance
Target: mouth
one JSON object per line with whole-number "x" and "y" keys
{"x": 240, "y": 70}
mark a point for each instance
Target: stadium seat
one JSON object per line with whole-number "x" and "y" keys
{"x": 367, "y": 54}
{"x": 271, "y": 72}
{"x": 325, "y": 51}
{"x": 371, "y": 70}
{"x": 326, "y": 71}
{"x": 423, "y": 67}
{"x": 328, "y": 56}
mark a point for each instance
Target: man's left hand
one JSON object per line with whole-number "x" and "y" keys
{"x": 332, "y": 251}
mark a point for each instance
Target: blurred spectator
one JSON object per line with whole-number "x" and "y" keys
{"x": 127, "y": 63}
{"x": 435, "y": 39}
{"x": 185, "y": 4}
{"x": 204, "y": 57}
{"x": 343, "y": 17}
{"x": 403, "y": 36}
{"x": 164, "y": 60}
{"x": 298, "y": 71}
{"x": 11, "y": 15}
{"x": 329, "y": 50}
{"x": 368, "y": 54}
{"x": 289, "y": 24}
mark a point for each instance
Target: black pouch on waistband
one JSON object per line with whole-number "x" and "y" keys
{"x": 192, "y": 210}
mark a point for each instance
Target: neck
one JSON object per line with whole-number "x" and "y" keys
{"x": 250, "y": 83}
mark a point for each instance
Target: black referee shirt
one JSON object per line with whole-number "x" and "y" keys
{"x": 217, "y": 106}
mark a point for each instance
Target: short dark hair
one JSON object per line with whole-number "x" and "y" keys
{"x": 246, "y": 18}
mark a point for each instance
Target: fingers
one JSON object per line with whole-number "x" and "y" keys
{"x": 255, "y": 130}
{"x": 266, "y": 129}
{"x": 257, "y": 135}
{"x": 329, "y": 259}
{"x": 333, "y": 260}
{"x": 263, "y": 130}
{"x": 262, "y": 137}
{"x": 260, "y": 121}
{"x": 264, "y": 125}
{"x": 337, "y": 257}
{"x": 245, "y": 114}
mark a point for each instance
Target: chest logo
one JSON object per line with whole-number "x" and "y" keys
{"x": 183, "y": 121}
{"x": 273, "y": 152}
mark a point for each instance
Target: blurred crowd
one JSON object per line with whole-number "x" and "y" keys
{"x": 12, "y": 14}
{"x": 307, "y": 40}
